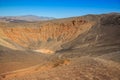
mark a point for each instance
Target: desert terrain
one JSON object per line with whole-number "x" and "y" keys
{"x": 75, "y": 48}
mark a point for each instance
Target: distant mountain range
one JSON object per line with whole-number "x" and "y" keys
{"x": 25, "y": 18}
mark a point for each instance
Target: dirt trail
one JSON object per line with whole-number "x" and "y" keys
{"x": 25, "y": 71}
{"x": 33, "y": 69}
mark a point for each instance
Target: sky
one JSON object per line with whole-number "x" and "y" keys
{"x": 57, "y": 8}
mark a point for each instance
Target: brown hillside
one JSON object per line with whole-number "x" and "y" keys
{"x": 41, "y": 37}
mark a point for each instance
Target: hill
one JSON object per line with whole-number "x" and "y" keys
{"x": 24, "y": 18}
{"x": 76, "y": 48}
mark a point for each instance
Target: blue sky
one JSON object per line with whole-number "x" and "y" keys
{"x": 57, "y": 8}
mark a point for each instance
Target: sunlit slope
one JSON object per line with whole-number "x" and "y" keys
{"x": 41, "y": 36}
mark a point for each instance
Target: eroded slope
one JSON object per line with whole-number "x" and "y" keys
{"x": 40, "y": 38}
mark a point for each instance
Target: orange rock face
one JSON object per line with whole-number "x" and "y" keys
{"x": 42, "y": 36}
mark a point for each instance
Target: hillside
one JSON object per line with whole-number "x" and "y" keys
{"x": 76, "y": 48}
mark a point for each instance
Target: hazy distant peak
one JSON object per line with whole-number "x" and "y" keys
{"x": 24, "y": 18}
